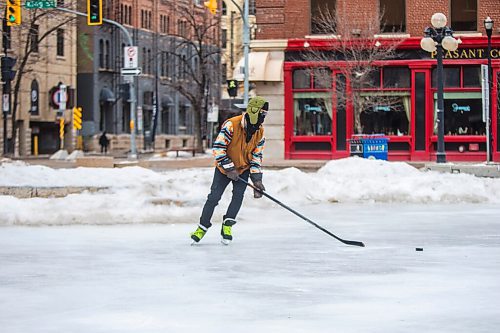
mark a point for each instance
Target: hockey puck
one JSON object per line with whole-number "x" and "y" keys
{"x": 419, "y": 249}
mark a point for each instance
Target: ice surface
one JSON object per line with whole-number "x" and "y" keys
{"x": 279, "y": 275}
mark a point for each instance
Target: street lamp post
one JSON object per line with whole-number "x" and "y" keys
{"x": 437, "y": 38}
{"x": 488, "y": 26}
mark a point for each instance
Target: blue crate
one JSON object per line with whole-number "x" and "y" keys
{"x": 375, "y": 148}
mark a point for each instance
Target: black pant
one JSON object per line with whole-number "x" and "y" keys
{"x": 219, "y": 184}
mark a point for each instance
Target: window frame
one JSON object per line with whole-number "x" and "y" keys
{"x": 403, "y": 26}
{"x": 452, "y": 18}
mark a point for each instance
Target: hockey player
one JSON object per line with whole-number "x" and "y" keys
{"x": 238, "y": 153}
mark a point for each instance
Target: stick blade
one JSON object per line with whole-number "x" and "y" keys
{"x": 354, "y": 243}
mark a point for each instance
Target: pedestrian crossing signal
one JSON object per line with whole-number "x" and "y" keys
{"x": 13, "y": 13}
{"x": 232, "y": 88}
{"x": 94, "y": 12}
{"x": 77, "y": 118}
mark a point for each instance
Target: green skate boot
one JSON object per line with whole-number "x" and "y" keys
{"x": 225, "y": 231}
{"x": 198, "y": 234}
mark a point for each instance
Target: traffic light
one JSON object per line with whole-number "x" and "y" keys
{"x": 13, "y": 12}
{"x": 212, "y": 6}
{"x": 77, "y": 118}
{"x": 232, "y": 88}
{"x": 94, "y": 12}
{"x": 7, "y": 64}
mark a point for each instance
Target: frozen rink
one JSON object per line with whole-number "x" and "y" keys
{"x": 279, "y": 275}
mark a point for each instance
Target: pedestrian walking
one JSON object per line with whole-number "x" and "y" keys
{"x": 238, "y": 153}
{"x": 104, "y": 142}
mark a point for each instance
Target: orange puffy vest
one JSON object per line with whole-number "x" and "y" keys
{"x": 238, "y": 150}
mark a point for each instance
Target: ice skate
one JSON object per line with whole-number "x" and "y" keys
{"x": 198, "y": 234}
{"x": 225, "y": 231}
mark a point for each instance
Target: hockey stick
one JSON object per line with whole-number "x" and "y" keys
{"x": 348, "y": 242}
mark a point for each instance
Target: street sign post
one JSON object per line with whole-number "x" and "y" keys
{"x": 485, "y": 92}
{"x": 213, "y": 114}
{"x": 130, "y": 57}
{"x": 5, "y": 103}
{"x": 62, "y": 98}
{"x": 40, "y": 4}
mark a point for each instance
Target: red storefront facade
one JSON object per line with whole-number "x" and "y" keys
{"x": 319, "y": 118}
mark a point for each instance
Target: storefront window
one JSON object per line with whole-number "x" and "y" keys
{"x": 372, "y": 80}
{"x": 301, "y": 79}
{"x": 462, "y": 114}
{"x": 397, "y": 77}
{"x": 322, "y": 78}
{"x": 312, "y": 113}
{"x": 385, "y": 112}
{"x": 451, "y": 77}
{"x": 472, "y": 76}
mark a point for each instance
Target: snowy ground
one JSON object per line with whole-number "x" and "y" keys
{"x": 94, "y": 271}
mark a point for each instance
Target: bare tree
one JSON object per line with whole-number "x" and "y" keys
{"x": 360, "y": 51}
{"x": 197, "y": 55}
{"x": 32, "y": 20}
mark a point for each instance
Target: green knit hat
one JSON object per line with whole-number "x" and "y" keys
{"x": 255, "y": 104}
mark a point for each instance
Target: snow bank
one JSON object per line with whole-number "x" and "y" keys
{"x": 138, "y": 195}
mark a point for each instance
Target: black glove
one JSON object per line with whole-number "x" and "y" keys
{"x": 230, "y": 170}
{"x": 232, "y": 174}
{"x": 257, "y": 182}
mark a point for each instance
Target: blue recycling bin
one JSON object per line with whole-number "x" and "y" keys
{"x": 370, "y": 146}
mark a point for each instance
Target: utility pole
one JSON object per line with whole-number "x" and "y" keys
{"x": 246, "y": 47}
{"x": 7, "y": 63}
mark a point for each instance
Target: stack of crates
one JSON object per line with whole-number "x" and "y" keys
{"x": 373, "y": 146}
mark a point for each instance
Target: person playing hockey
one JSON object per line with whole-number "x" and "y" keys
{"x": 238, "y": 153}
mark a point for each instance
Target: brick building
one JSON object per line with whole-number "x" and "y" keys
{"x": 159, "y": 29}
{"x": 311, "y": 119}
{"x": 44, "y": 47}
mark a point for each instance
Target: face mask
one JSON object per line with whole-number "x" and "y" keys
{"x": 250, "y": 128}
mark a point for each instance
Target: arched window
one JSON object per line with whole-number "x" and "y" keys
{"x": 224, "y": 8}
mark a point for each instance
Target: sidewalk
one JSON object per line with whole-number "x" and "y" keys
{"x": 206, "y": 161}
{"x": 169, "y": 163}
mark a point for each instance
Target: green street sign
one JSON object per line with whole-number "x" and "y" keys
{"x": 40, "y": 4}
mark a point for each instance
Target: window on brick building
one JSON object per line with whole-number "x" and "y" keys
{"x": 320, "y": 9}
{"x": 464, "y": 15}
{"x": 34, "y": 30}
{"x": 101, "y": 53}
{"x": 129, "y": 20}
{"x": 60, "y": 42}
{"x": 223, "y": 38}
{"x": 224, "y": 8}
{"x": 252, "y": 8}
{"x": 392, "y": 15}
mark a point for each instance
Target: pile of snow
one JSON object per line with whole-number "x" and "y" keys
{"x": 138, "y": 195}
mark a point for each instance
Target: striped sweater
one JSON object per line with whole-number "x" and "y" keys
{"x": 230, "y": 146}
